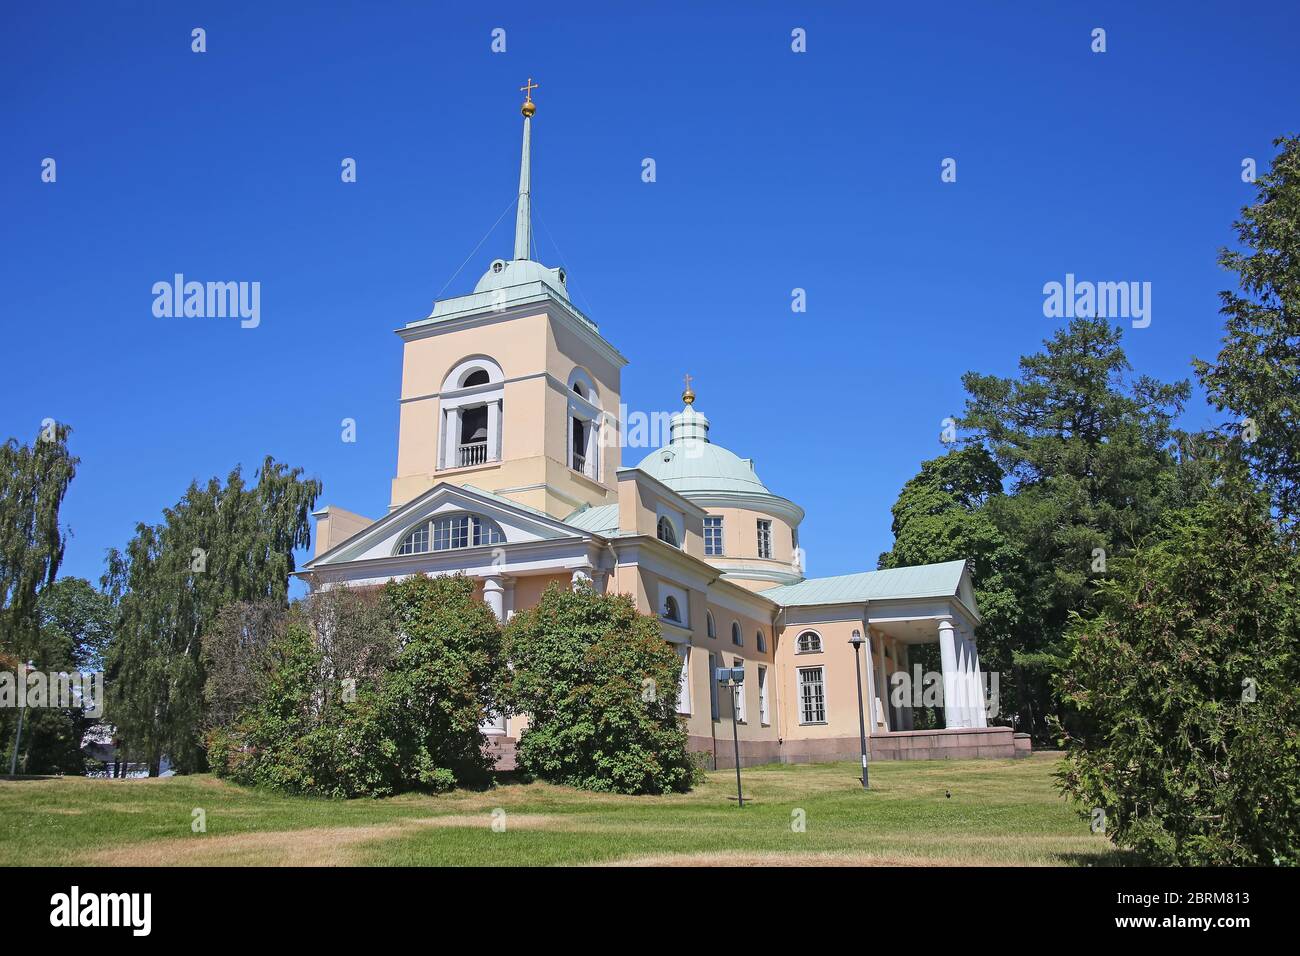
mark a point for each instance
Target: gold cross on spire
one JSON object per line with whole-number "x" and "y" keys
{"x": 688, "y": 396}
{"x": 528, "y": 108}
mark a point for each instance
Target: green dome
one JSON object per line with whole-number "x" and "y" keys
{"x": 702, "y": 467}
{"x": 694, "y": 467}
{"x": 503, "y": 274}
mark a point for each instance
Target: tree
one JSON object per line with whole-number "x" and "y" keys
{"x": 1256, "y": 374}
{"x": 443, "y": 680}
{"x": 941, "y": 515}
{"x": 1088, "y": 451}
{"x": 218, "y": 545}
{"x": 78, "y": 618}
{"x": 599, "y": 685}
{"x": 1187, "y": 673}
{"x": 355, "y": 693}
{"x": 33, "y": 481}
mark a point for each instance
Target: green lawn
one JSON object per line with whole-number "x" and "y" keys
{"x": 1000, "y": 812}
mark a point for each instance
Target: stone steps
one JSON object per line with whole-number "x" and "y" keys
{"x": 502, "y": 750}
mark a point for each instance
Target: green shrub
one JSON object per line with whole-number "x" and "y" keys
{"x": 599, "y": 685}
{"x": 442, "y": 681}
{"x": 417, "y": 690}
{"x": 1186, "y": 679}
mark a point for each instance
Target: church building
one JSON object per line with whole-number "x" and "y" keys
{"x": 509, "y": 471}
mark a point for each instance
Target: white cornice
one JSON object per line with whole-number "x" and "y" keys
{"x": 476, "y": 315}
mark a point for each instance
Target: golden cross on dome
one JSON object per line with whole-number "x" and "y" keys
{"x": 688, "y": 396}
{"x": 527, "y": 89}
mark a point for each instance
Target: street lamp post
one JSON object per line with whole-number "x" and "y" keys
{"x": 857, "y": 641}
{"x": 18, "y": 738}
{"x": 733, "y": 678}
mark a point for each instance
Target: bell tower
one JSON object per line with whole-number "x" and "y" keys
{"x": 511, "y": 388}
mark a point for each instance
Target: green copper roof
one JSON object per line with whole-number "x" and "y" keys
{"x": 506, "y": 275}
{"x": 601, "y": 520}
{"x": 920, "y": 581}
{"x": 692, "y": 465}
{"x": 702, "y": 467}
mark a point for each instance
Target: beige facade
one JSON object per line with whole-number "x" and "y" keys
{"x": 509, "y": 470}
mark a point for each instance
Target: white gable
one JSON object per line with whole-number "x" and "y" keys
{"x": 381, "y": 540}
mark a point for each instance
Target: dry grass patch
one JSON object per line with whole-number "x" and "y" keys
{"x": 327, "y": 846}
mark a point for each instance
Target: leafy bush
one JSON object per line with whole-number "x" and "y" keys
{"x": 599, "y": 685}
{"x": 356, "y": 694}
{"x": 1187, "y": 678}
{"x": 443, "y": 679}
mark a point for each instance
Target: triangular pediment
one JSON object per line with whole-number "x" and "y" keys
{"x": 518, "y": 524}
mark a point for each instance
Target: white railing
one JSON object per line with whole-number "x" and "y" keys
{"x": 473, "y": 453}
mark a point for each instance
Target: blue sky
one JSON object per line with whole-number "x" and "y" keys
{"x": 775, "y": 170}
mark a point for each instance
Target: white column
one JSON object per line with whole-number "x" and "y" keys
{"x": 494, "y": 431}
{"x": 948, "y": 663}
{"x": 869, "y": 664}
{"x": 880, "y": 711}
{"x": 979, "y": 713}
{"x": 494, "y": 595}
{"x": 905, "y": 664}
{"x": 450, "y": 438}
{"x": 509, "y": 597}
{"x": 963, "y": 682}
{"x": 593, "y": 449}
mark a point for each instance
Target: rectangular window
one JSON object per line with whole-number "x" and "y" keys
{"x": 712, "y": 536}
{"x": 738, "y": 695}
{"x": 684, "y": 682}
{"x": 578, "y": 450}
{"x": 713, "y": 685}
{"x": 764, "y": 538}
{"x": 812, "y": 696}
{"x": 762, "y": 696}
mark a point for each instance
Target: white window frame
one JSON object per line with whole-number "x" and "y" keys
{"x": 764, "y": 715}
{"x": 710, "y": 625}
{"x": 663, "y": 523}
{"x": 431, "y": 533}
{"x": 765, "y": 538}
{"x": 738, "y": 694}
{"x": 455, "y": 399}
{"x": 715, "y": 703}
{"x": 720, "y": 548}
{"x": 798, "y": 694}
{"x": 683, "y": 600}
{"x": 584, "y": 408}
{"x": 816, "y": 650}
{"x": 760, "y": 640}
{"x": 737, "y": 632}
{"x": 684, "y": 681}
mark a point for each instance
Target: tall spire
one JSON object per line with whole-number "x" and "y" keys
{"x": 523, "y": 217}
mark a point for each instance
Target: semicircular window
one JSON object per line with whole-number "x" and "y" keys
{"x": 666, "y": 532}
{"x": 450, "y": 532}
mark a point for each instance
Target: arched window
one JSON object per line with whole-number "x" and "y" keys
{"x": 712, "y": 626}
{"x": 450, "y": 532}
{"x": 671, "y": 609}
{"x": 809, "y": 642}
{"x": 762, "y": 641}
{"x": 666, "y": 532}
{"x": 584, "y": 425}
{"x": 737, "y": 637}
{"x": 471, "y": 410}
